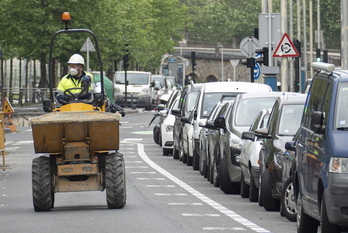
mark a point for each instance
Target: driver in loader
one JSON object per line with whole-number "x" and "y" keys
{"x": 77, "y": 78}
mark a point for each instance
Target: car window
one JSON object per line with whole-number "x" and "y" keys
{"x": 210, "y": 100}
{"x": 247, "y": 109}
{"x": 132, "y": 78}
{"x": 290, "y": 119}
{"x": 341, "y": 111}
{"x": 190, "y": 102}
{"x": 315, "y": 99}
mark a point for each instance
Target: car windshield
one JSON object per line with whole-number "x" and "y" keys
{"x": 290, "y": 119}
{"x": 160, "y": 80}
{"x": 342, "y": 107}
{"x": 211, "y": 99}
{"x": 247, "y": 109}
{"x": 132, "y": 78}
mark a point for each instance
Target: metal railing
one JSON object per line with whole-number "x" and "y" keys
{"x": 23, "y": 96}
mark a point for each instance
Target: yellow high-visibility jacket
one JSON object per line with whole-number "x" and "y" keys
{"x": 70, "y": 82}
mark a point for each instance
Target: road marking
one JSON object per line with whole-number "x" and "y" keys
{"x": 159, "y": 186}
{"x": 136, "y": 167}
{"x": 223, "y": 229}
{"x": 171, "y": 194}
{"x": 200, "y": 215}
{"x": 184, "y": 204}
{"x": 199, "y": 195}
{"x": 141, "y": 178}
{"x": 134, "y": 161}
{"x": 23, "y": 143}
{"x": 142, "y": 172}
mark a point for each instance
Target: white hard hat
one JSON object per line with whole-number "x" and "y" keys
{"x": 76, "y": 59}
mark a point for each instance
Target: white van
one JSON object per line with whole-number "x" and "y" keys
{"x": 140, "y": 91}
{"x": 209, "y": 95}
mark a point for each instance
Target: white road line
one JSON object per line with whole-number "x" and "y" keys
{"x": 142, "y": 172}
{"x": 171, "y": 194}
{"x": 159, "y": 186}
{"x": 134, "y": 161}
{"x": 200, "y": 215}
{"x": 146, "y": 178}
{"x": 136, "y": 167}
{"x": 223, "y": 229}
{"x": 199, "y": 195}
{"x": 184, "y": 204}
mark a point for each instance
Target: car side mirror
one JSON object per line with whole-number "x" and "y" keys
{"x": 248, "y": 135}
{"x": 185, "y": 120}
{"x": 220, "y": 122}
{"x": 317, "y": 119}
{"x": 47, "y": 105}
{"x": 290, "y": 146}
{"x": 262, "y": 133}
{"x": 176, "y": 112}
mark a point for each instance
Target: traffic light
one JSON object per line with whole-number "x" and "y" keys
{"x": 249, "y": 62}
{"x": 193, "y": 61}
{"x": 317, "y": 56}
{"x": 126, "y": 61}
{"x": 263, "y": 59}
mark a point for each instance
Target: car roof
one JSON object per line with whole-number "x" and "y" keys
{"x": 250, "y": 95}
{"x": 212, "y": 87}
{"x": 293, "y": 98}
{"x": 131, "y": 71}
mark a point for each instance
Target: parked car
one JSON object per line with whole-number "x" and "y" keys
{"x": 321, "y": 177}
{"x": 139, "y": 89}
{"x": 212, "y": 155}
{"x": 249, "y": 157}
{"x": 207, "y": 98}
{"x": 186, "y": 103}
{"x": 238, "y": 120}
{"x": 282, "y": 125}
{"x": 288, "y": 206}
{"x": 161, "y": 111}
{"x": 167, "y": 127}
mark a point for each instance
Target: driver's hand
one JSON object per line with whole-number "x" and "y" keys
{"x": 63, "y": 99}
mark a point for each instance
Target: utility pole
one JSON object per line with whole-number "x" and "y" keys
{"x": 284, "y": 60}
{"x": 344, "y": 33}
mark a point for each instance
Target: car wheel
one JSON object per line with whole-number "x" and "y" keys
{"x": 175, "y": 153}
{"x": 202, "y": 165}
{"x": 195, "y": 161}
{"x": 244, "y": 188}
{"x": 305, "y": 223}
{"x": 288, "y": 203}
{"x": 215, "y": 175}
{"x": 225, "y": 184}
{"x": 260, "y": 191}
{"x": 269, "y": 203}
{"x": 166, "y": 151}
{"x": 325, "y": 224}
{"x": 156, "y": 133}
{"x": 189, "y": 160}
{"x": 253, "y": 190}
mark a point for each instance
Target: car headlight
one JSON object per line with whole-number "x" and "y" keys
{"x": 279, "y": 157}
{"x": 169, "y": 128}
{"x": 118, "y": 90}
{"x": 338, "y": 165}
{"x": 144, "y": 90}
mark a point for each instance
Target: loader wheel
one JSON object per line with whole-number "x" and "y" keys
{"x": 42, "y": 184}
{"x": 115, "y": 177}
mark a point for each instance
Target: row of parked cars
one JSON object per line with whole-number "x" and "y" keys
{"x": 284, "y": 150}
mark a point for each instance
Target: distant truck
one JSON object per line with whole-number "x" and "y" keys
{"x": 140, "y": 91}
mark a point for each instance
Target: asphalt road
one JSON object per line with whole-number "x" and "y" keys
{"x": 163, "y": 194}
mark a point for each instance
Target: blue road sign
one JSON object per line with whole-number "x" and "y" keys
{"x": 257, "y": 71}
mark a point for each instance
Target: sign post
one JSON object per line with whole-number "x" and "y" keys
{"x": 87, "y": 47}
{"x": 234, "y": 63}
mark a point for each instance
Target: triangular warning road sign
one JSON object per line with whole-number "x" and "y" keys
{"x": 6, "y": 107}
{"x": 87, "y": 46}
{"x": 285, "y": 48}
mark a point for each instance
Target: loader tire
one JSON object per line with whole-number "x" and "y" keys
{"x": 115, "y": 177}
{"x": 43, "y": 195}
